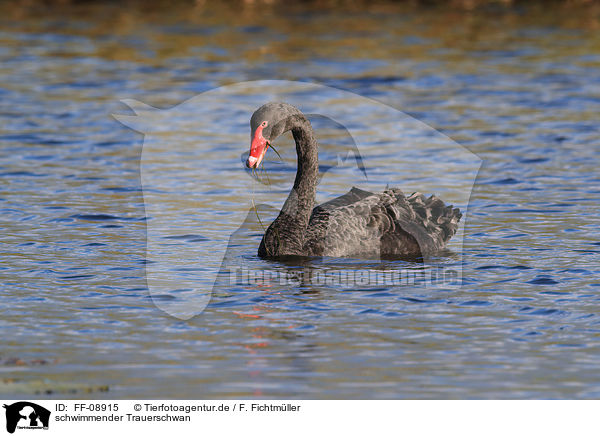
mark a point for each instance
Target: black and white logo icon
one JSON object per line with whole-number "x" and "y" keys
{"x": 26, "y": 415}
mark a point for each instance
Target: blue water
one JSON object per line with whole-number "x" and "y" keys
{"x": 521, "y": 91}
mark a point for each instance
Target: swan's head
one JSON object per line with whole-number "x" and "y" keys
{"x": 267, "y": 123}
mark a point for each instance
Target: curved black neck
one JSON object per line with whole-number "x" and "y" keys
{"x": 285, "y": 236}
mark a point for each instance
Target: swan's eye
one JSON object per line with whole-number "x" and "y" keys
{"x": 264, "y": 124}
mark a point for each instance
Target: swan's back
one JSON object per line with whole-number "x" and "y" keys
{"x": 361, "y": 224}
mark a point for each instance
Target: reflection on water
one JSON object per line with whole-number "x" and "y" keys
{"x": 518, "y": 87}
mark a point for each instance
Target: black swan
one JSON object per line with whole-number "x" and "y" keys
{"x": 357, "y": 224}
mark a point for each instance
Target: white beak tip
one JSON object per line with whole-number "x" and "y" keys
{"x": 251, "y": 162}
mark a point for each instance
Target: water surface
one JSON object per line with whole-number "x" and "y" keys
{"x": 520, "y": 88}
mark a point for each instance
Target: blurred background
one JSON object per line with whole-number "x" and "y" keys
{"x": 515, "y": 82}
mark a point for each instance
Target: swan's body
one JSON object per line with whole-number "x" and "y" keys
{"x": 357, "y": 224}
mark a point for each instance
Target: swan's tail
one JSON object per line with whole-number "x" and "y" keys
{"x": 439, "y": 220}
{"x": 428, "y": 220}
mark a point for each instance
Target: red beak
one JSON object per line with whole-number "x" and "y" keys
{"x": 258, "y": 148}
